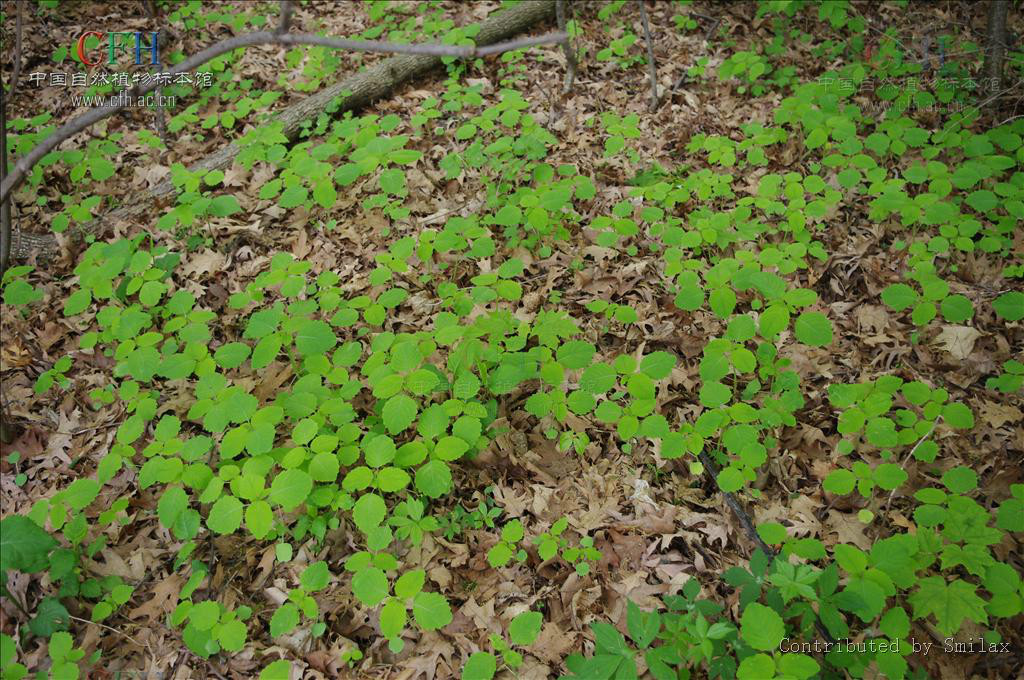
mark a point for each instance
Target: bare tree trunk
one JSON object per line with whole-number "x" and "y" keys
{"x": 995, "y": 43}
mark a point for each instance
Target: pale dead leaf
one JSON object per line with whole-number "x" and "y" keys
{"x": 848, "y": 529}
{"x": 299, "y": 641}
{"x": 553, "y": 643}
{"x": 238, "y": 176}
{"x": 274, "y": 376}
{"x": 441, "y": 576}
{"x": 203, "y": 263}
{"x": 530, "y": 670}
{"x": 300, "y": 246}
{"x": 958, "y": 340}
{"x": 872, "y": 318}
{"x": 998, "y": 415}
{"x": 60, "y": 441}
{"x": 482, "y": 615}
{"x": 634, "y": 587}
{"x": 432, "y": 654}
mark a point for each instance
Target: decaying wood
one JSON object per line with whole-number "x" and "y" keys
{"x": 364, "y": 87}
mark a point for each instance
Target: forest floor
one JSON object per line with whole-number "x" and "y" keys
{"x": 658, "y": 523}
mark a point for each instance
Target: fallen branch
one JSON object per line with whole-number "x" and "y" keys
{"x": 89, "y": 119}
{"x": 741, "y": 514}
{"x": 999, "y": 94}
{"x": 354, "y": 92}
{"x": 711, "y": 31}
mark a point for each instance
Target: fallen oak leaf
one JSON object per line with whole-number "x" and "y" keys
{"x": 998, "y": 415}
{"x": 164, "y": 600}
{"x": 958, "y": 340}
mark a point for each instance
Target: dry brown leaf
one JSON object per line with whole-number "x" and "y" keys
{"x": 163, "y": 601}
{"x": 998, "y": 415}
{"x": 202, "y": 264}
{"x": 848, "y": 529}
{"x": 958, "y": 340}
{"x": 553, "y": 643}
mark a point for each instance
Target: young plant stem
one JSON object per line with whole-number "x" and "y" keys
{"x": 910, "y": 453}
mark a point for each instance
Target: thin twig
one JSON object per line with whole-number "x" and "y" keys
{"x": 213, "y": 670}
{"x": 910, "y": 453}
{"x": 18, "y": 604}
{"x": 741, "y": 514}
{"x": 551, "y": 103}
{"x": 652, "y": 68}
{"x": 999, "y": 94}
{"x": 570, "y": 54}
{"x": 19, "y": 9}
{"x": 711, "y": 31}
{"x": 115, "y": 631}
{"x": 748, "y": 526}
{"x": 112, "y": 630}
{"x": 867, "y": 22}
{"x": 86, "y": 120}
{"x": 5, "y": 204}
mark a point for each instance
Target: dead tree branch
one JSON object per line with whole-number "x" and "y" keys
{"x": 86, "y": 120}
{"x": 351, "y": 93}
{"x": 748, "y": 526}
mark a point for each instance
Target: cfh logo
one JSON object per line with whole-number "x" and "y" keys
{"x": 117, "y": 43}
